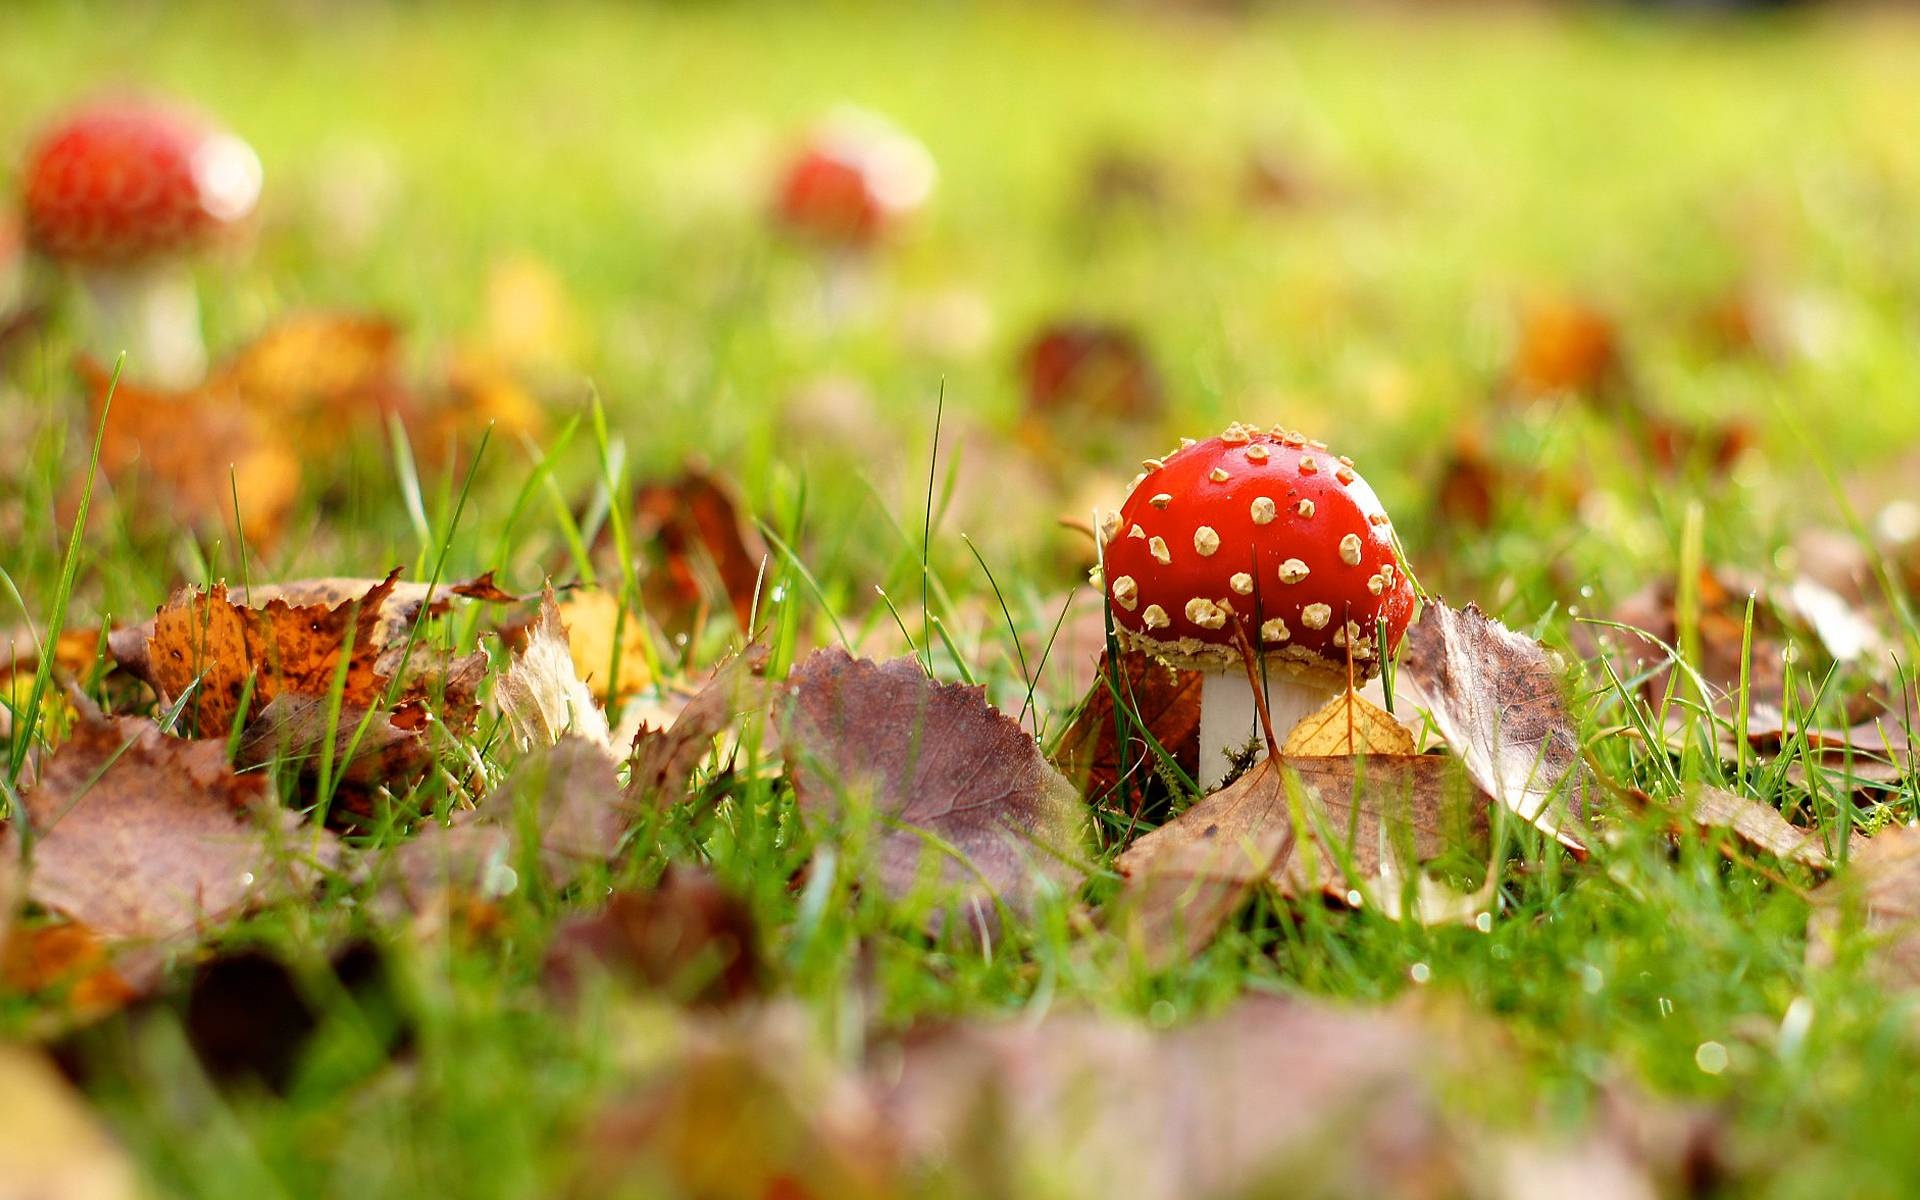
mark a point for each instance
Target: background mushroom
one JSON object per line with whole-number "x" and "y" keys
{"x": 120, "y": 194}
{"x": 856, "y": 176}
{"x": 1270, "y": 531}
{"x": 854, "y": 180}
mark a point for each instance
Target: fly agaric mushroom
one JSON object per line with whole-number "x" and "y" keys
{"x": 1266, "y": 532}
{"x": 121, "y": 193}
{"x": 857, "y": 175}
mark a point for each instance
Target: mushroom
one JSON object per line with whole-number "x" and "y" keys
{"x": 1265, "y": 531}
{"x": 851, "y": 184}
{"x": 856, "y": 176}
{"x": 121, "y": 193}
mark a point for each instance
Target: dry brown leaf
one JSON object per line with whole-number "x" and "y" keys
{"x": 191, "y": 453}
{"x": 1087, "y": 371}
{"x": 1276, "y": 1096}
{"x": 540, "y": 694}
{"x": 700, "y": 548}
{"x": 749, "y": 1106}
{"x": 1354, "y": 830}
{"x": 369, "y": 749}
{"x": 51, "y": 1147}
{"x": 1759, "y": 826}
{"x": 480, "y": 391}
{"x": 1165, "y": 702}
{"x": 140, "y": 835}
{"x": 1497, "y": 699}
{"x": 400, "y": 603}
{"x": 74, "y": 652}
{"x": 567, "y": 800}
{"x": 65, "y": 964}
{"x": 664, "y": 759}
{"x": 1346, "y": 725}
{"x": 1722, "y": 635}
{"x": 1877, "y": 895}
{"x": 205, "y": 638}
{"x": 331, "y": 379}
{"x": 289, "y": 651}
{"x": 397, "y": 603}
{"x": 1565, "y": 346}
{"x": 960, "y": 786}
{"x": 460, "y": 868}
{"x": 1475, "y": 490}
{"x": 688, "y": 936}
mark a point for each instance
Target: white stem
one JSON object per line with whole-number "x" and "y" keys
{"x": 846, "y": 288}
{"x": 1230, "y": 721}
{"x": 152, "y": 313}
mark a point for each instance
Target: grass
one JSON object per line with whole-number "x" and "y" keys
{"x": 1468, "y": 161}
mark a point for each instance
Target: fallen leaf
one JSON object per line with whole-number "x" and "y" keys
{"x": 193, "y": 455}
{"x": 479, "y": 391}
{"x": 1274, "y": 178}
{"x": 1354, "y": 830}
{"x": 748, "y": 1105}
{"x": 51, "y": 1147}
{"x": 1475, "y": 490}
{"x": 1497, "y": 699}
{"x": 74, "y": 652}
{"x": 1565, "y": 346}
{"x": 1161, "y": 701}
{"x": 687, "y": 936}
{"x": 141, "y": 835}
{"x": 1275, "y": 1096}
{"x": 66, "y": 965}
{"x": 540, "y": 694}
{"x": 1758, "y": 826}
{"x": 368, "y": 748}
{"x": 204, "y": 639}
{"x": 699, "y": 546}
{"x": 565, "y": 801}
{"x": 948, "y": 775}
{"x": 396, "y": 603}
{"x": 1088, "y": 371}
{"x": 594, "y": 621}
{"x": 330, "y": 378}
{"x": 665, "y": 759}
{"x": 1878, "y": 896}
{"x": 1802, "y": 612}
{"x": 1346, "y": 725}
{"x": 459, "y": 868}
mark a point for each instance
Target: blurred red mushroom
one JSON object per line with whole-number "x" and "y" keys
{"x": 853, "y": 180}
{"x": 1269, "y": 533}
{"x": 120, "y": 194}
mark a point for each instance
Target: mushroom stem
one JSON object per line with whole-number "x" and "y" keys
{"x": 152, "y": 313}
{"x": 846, "y": 287}
{"x": 1230, "y": 720}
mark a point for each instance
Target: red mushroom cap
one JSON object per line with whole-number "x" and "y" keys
{"x": 123, "y": 182}
{"x": 855, "y": 176}
{"x": 1268, "y": 527}
{"x": 828, "y": 198}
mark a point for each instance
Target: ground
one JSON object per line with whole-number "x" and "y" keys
{"x": 1468, "y": 179}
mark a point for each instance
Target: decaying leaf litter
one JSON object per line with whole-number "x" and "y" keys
{"x": 850, "y": 855}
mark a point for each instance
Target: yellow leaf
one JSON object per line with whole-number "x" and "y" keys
{"x": 1349, "y": 724}
{"x": 592, "y": 616}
